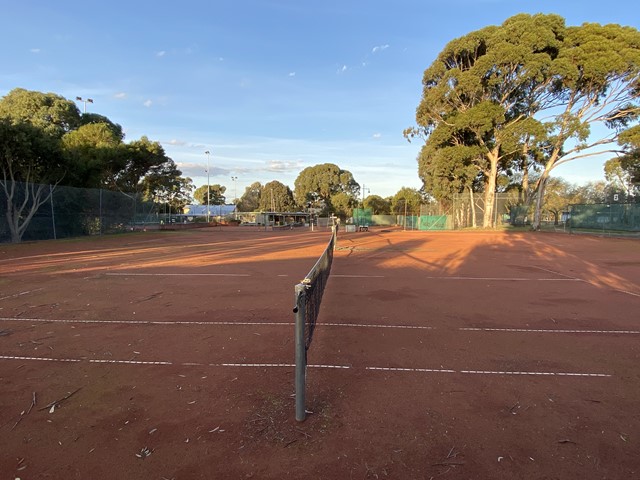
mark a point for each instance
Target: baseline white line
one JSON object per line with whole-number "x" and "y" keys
{"x": 362, "y": 325}
{"x": 40, "y": 359}
{"x": 550, "y": 330}
{"x": 336, "y": 275}
{"x": 20, "y": 294}
{"x": 143, "y": 322}
{"x": 130, "y": 362}
{"x": 508, "y": 279}
{"x": 626, "y": 292}
{"x": 549, "y": 374}
{"x": 252, "y": 365}
{"x": 120, "y": 274}
{"x": 556, "y": 273}
{"x": 398, "y": 369}
{"x": 186, "y": 322}
{"x": 290, "y": 365}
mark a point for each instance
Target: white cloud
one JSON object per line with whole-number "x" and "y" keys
{"x": 379, "y": 48}
{"x": 175, "y": 142}
{"x": 148, "y": 103}
{"x": 282, "y": 166}
{"x": 120, "y": 95}
{"x": 292, "y": 74}
{"x": 161, "y": 53}
{"x": 35, "y": 50}
{"x": 377, "y": 135}
{"x": 343, "y": 69}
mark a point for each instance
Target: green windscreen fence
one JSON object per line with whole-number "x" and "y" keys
{"x": 623, "y": 217}
{"x": 362, "y": 216}
{"x": 424, "y": 222}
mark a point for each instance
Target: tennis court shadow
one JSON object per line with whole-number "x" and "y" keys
{"x": 499, "y": 253}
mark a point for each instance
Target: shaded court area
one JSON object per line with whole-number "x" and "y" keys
{"x": 436, "y": 355}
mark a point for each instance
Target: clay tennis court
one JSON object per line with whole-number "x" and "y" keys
{"x": 168, "y": 355}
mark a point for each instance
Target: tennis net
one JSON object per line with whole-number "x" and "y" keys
{"x": 308, "y": 296}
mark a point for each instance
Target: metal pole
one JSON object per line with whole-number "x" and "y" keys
{"x": 53, "y": 215}
{"x": 301, "y": 354}
{"x": 405, "y": 214}
{"x": 208, "y": 187}
{"x": 100, "y": 220}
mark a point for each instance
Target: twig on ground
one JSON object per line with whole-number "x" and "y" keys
{"x": 26, "y": 412}
{"x": 446, "y": 464}
{"x": 57, "y": 402}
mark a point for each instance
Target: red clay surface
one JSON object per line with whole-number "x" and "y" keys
{"x": 436, "y": 356}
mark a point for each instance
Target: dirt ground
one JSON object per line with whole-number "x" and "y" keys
{"x": 168, "y": 355}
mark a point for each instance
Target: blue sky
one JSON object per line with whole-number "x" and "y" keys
{"x": 268, "y": 87}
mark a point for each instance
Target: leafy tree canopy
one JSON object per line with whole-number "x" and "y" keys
{"x": 319, "y": 183}
{"x": 378, "y": 205}
{"x": 276, "y": 197}
{"x": 52, "y": 113}
{"x": 250, "y": 200}
{"x": 216, "y": 195}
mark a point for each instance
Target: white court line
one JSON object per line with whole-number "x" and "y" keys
{"x": 289, "y": 324}
{"x": 357, "y": 276}
{"x": 369, "y": 325}
{"x": 626, "y": 292}
{"x": 40, "y": 359}
{"x": 508, "y": 279}
{"x": 398, "y": 369}
{"x": 550, "y": 330}
{"x": 550, "y": 374}
{"x": 556, "y": 273}
{"x": 169, "y": 322}
{"x": 129, "y": 362}
{"x": 121, "y": 274}
{"x": 488, "y": 372}
{"x": 20, "y": 294}
{"x": 290, "y": 365}
{"x": 143, "y": 322}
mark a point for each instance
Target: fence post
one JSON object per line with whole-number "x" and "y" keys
{"x": 53, "y": 215}
{"x": 100, "y": 211}
{"x": 301, "y": 353}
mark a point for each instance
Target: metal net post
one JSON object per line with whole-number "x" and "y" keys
{"x": 301, "y": 350}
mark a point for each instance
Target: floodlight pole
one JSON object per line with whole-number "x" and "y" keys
{"x": 235, "y": 197}
{"x": 208, "y": 186}
{"x": 80, "y": 99}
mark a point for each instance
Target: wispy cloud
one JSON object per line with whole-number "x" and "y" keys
{"x": 161, "y": 53}
{"x": 282, "y": 166}
{"x": 292, "y": 74}
{"x": 175, "y": 142}
{"x": 377, "y": 135}
{"x": 148, "y": 103}
{"x": 35, "y": 50}
{"x": 342, "y": 69}
{"x": 120, "y": 95}
{"x": 379, "y": 48}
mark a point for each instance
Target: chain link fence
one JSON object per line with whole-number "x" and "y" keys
{"x": 72, "y": 212}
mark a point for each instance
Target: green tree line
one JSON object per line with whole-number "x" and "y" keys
{"x": 46, "y": 140}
